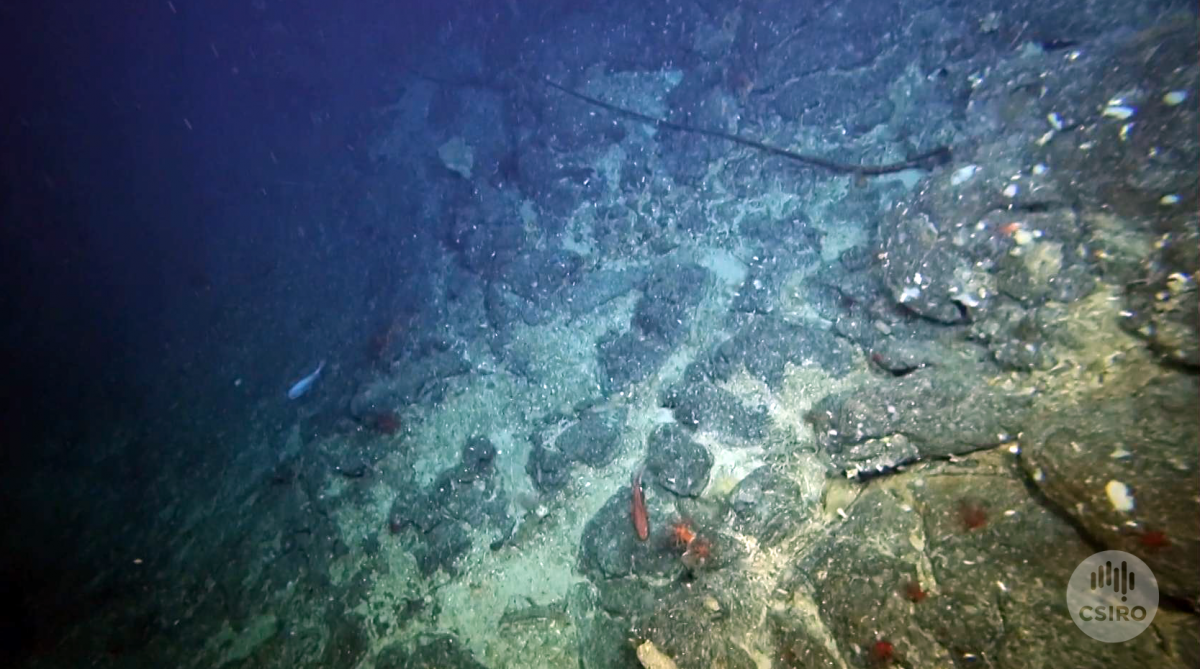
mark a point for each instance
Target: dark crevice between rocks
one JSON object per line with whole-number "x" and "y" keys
{"x": 864, "y": 476}
{"x": 1035, "y": 207}
{"x": 1036, "y": 493}
{"x": 895, "y": 370}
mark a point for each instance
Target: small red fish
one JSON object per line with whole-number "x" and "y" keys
{"x": 637, "y": 510}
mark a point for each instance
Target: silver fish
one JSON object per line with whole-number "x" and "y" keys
{"x": 304, "y": 385}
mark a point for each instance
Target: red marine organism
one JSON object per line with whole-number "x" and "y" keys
{"x": 696, "y": 549}
{"x": 1149, "y": 538}
{"x": 913, "y": 591}
{"x": 682, "y": 533}
{"x": 637, "y": 508}
{"x": 1154, "y": 540}
{"x": 972, "y": 514}
{"x": 385, "y": 422}
{"x": 883, "y": 652}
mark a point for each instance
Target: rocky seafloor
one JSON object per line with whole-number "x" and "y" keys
{"x": 881, "y": 419}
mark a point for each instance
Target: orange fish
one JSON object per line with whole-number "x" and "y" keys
{"x": 637, "y": 510}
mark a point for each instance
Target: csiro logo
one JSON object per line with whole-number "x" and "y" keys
{"x": 1113, "y": 596}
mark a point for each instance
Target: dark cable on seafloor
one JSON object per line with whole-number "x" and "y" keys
{"x": 938, "y": 156}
